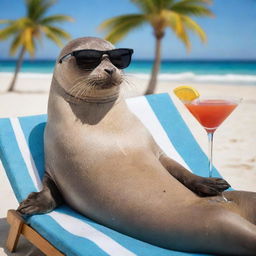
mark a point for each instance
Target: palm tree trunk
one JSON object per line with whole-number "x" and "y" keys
{"x": 152, "y": 83}
{"x": 17, "y": 69}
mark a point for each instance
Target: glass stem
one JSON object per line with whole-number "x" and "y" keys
{"x": 210, "y": 140}
{"x": 210, "y": 145}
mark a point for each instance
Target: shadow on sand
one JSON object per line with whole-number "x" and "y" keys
{"x": 26, "y": 92}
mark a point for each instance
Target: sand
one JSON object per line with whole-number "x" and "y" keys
{"x": 234, "y": 147}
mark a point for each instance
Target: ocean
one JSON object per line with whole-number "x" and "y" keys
{"x": 235, "y": 72}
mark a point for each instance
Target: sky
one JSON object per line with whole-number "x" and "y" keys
{"x": 231, "y": 33}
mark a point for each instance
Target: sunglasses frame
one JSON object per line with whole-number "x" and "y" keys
{"x": 75, "y": 53}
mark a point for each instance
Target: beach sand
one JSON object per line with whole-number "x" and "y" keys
{"x": 234, "y": 146}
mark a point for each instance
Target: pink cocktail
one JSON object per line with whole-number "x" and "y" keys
{"x": 211, "y": 113}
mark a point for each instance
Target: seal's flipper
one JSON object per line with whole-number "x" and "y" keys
{"x": 42, "y": 202}
{"x": 199, "y": 185}
{"x": 207, "y": 186}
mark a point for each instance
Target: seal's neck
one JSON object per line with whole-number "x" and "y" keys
{"x": 99, "y": 96}
{"x": 90, "y": 110}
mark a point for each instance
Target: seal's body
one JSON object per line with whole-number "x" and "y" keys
{"x": 111, "y": 151}
{"x": 104, "y": 163}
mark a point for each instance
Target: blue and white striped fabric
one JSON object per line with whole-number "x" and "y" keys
{"x": 21, "y": 151}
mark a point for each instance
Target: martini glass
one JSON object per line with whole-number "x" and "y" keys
{"x": 210, "y": 113}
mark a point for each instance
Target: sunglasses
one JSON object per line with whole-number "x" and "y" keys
{"x": 90, "y": 59}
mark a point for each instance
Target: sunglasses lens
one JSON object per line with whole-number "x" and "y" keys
{"x": 121, "y": 58}
{"x": 88, "y": 59}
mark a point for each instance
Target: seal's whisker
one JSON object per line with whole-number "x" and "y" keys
{"x": 81, "y": 90}
{"x": 128, "y": 81}
{"x": 79, "y": 93}
{"x": 87, "y": 86}
{"x": 84, "y": 91}
{"x": 79, "y": 86}
{"x": 76, "y": 92}
{"x": 131, "y": 86}
{"x": 87, "y": 90}
{"x": 75, "y": 87}
{"x": 78, "y": 82}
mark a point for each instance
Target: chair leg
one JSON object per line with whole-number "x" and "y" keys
{"x": 19, "y": 227}
{"x": 16, "y": 223}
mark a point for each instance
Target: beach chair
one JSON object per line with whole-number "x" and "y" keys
{"x": 64, "y": 231}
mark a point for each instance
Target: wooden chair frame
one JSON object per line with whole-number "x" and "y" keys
{"x": 19, "y": 227}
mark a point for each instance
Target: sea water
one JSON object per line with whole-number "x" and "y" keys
{"x": 240, "y": 72}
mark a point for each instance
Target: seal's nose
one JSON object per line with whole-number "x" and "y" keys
{"x": 110, "y": 71}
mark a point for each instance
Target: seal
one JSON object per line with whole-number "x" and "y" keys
{"x": 102, "y": 161}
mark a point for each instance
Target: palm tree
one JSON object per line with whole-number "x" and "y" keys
{"x": 29, "y": 29}
{"x": 160, "y": 14}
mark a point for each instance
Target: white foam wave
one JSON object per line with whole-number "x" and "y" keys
{"x": 191, "y": 77}
{"x": 175, "y": 77}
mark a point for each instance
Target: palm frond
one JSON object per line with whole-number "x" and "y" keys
{"x": 23, "y": 23}
{"x": 190, "y": 8}
{"x": 33, "y": 45}
{"x": 198, "y": 1}
{"x": 176, "y": 23}
{"x": 27, "y": 40}
{"x": 55, "y": 18}
{"x": 119, "y": 26}
{"x": 8, "y": 31}
{"x": 14, "y": 27}
{"x": 59, "y": 32}
{"x": 147, "y": 6}
{"x": 52, "y": 36}
{"x": 16, "y": 43}
{"x": 194, "y": 27}
{"x": 162, "y": 4}
{"x": 6, "y": 21}
{"x": 183, "y": 36}
{"x": 29, "y": 44}
{"x": 114, "y": 22}
{"x": 37, "y": 8}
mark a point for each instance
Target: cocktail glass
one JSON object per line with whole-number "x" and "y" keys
{"x": 210, "y": 113}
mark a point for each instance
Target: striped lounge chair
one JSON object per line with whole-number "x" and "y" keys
{"x": 64, "y": 231}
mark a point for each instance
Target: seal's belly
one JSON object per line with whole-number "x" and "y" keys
{"x": 117, "y": 178}
{"x": 121, "y": 186}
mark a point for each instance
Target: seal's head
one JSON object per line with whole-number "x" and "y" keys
{"x": 88, "y": 68}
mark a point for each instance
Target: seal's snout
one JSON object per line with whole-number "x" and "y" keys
{"x": 110, "y": 71}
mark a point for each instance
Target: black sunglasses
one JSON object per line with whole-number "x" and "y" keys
{"x": 90, "y": 59}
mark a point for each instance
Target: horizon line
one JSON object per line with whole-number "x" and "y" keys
{"x": 145, "y": 59}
